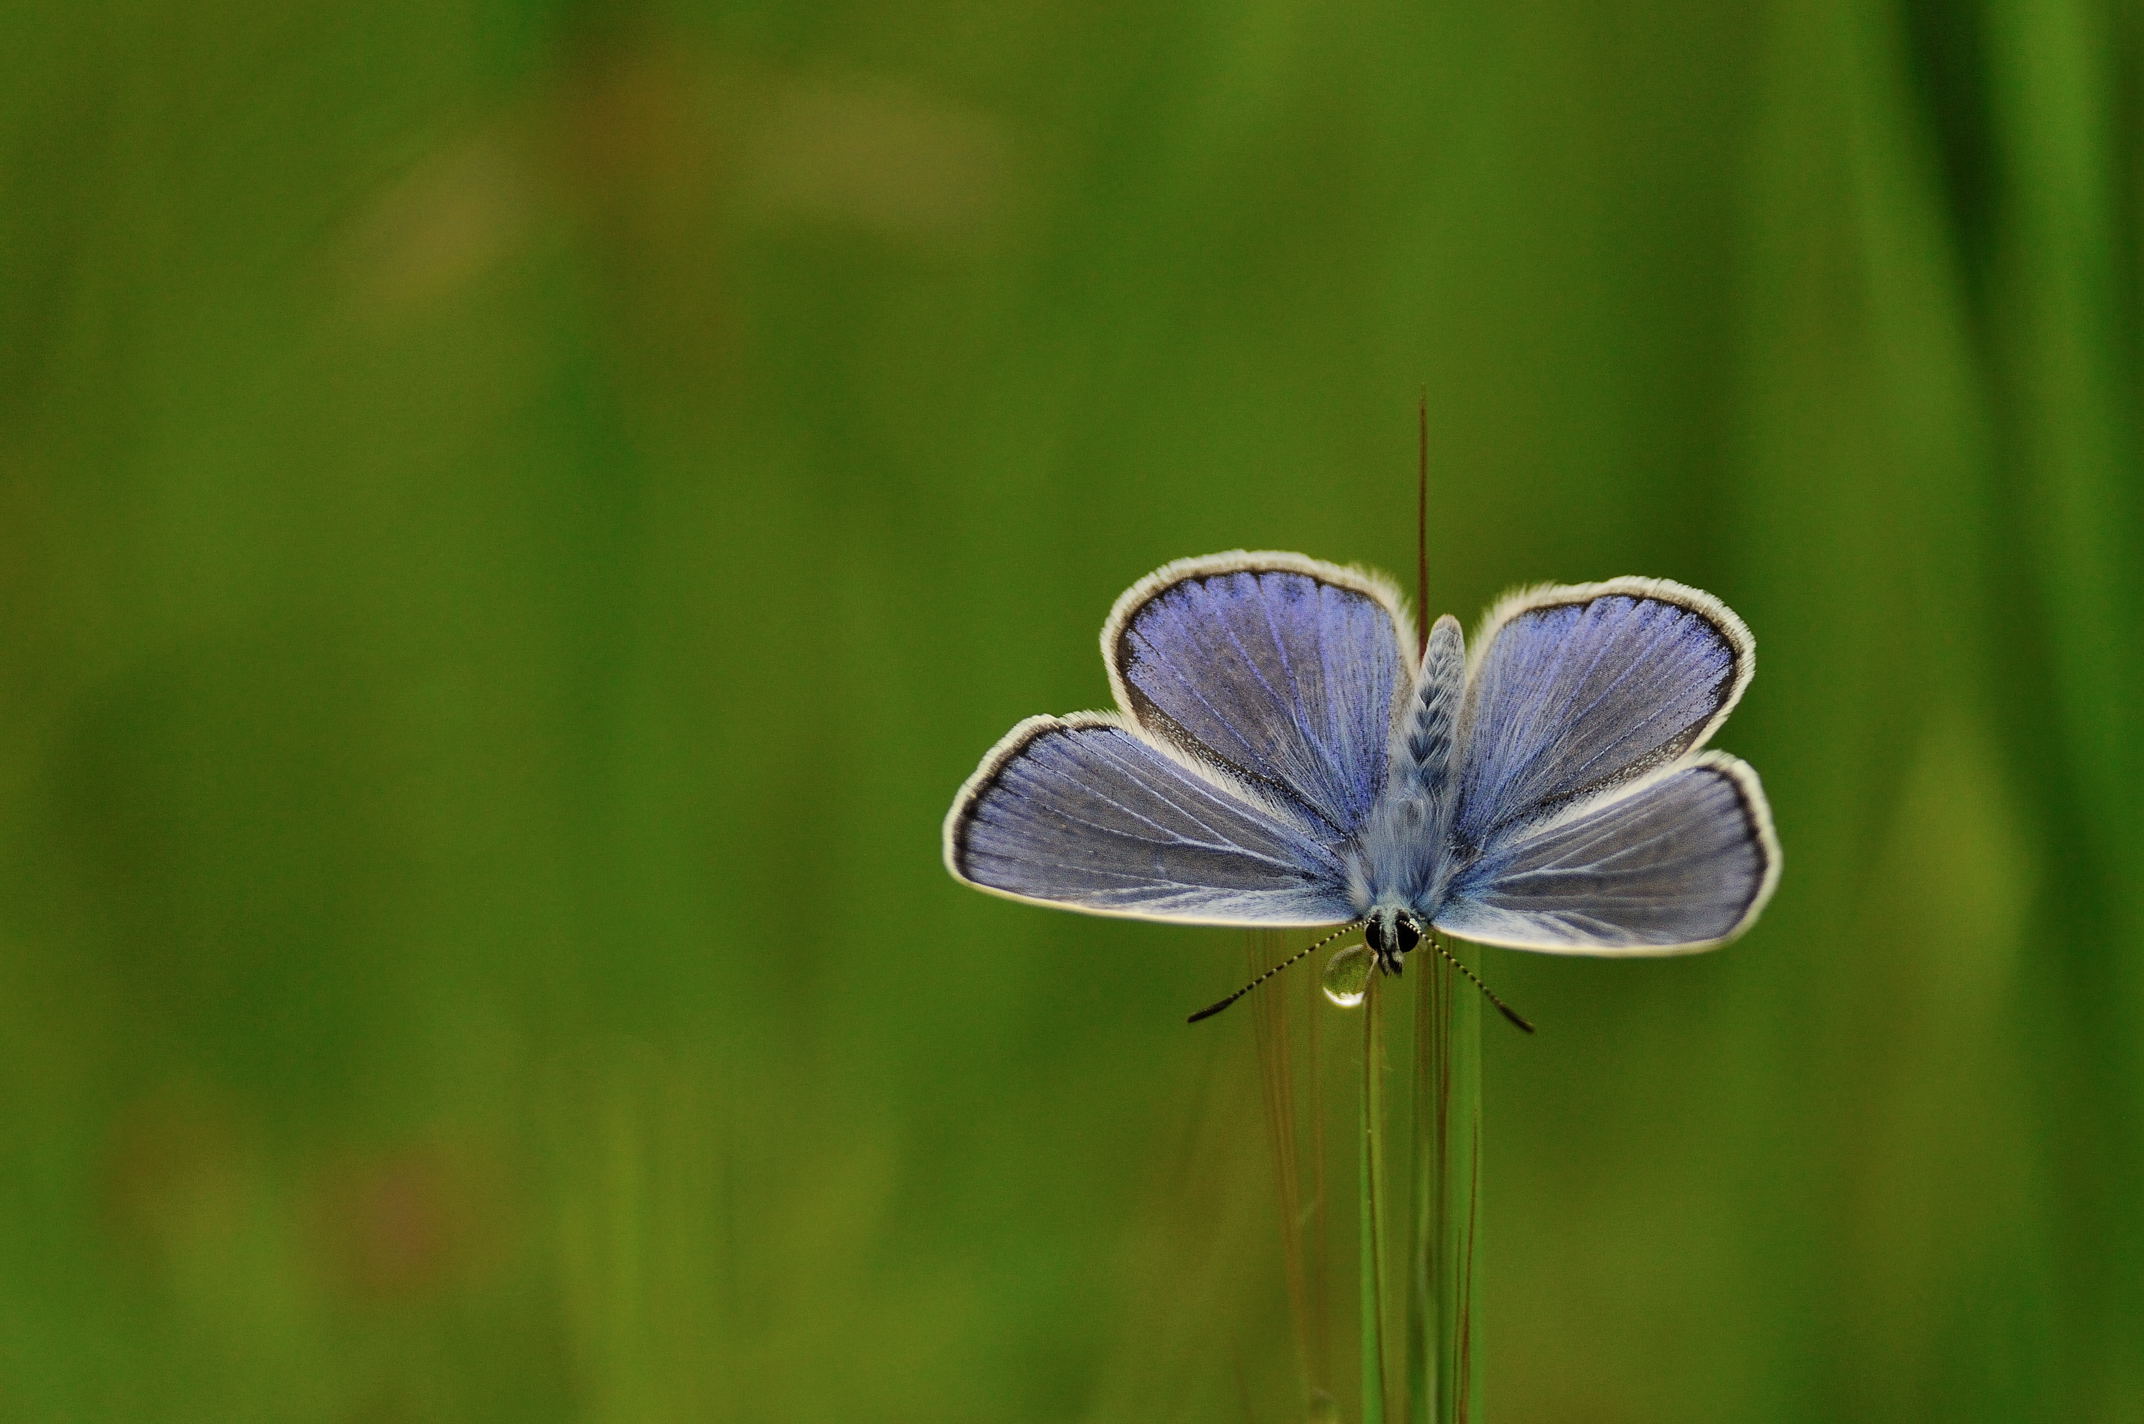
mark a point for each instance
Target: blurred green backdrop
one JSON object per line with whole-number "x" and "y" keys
{"x": 515, "y": 518}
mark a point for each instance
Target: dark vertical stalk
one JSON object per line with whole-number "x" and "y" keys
{"x": 1422, "y": 618}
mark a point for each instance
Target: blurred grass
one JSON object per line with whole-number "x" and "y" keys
{"x": 516, "y": 518}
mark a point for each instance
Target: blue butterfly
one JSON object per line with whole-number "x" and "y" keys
{"x": 1282, "y": 756}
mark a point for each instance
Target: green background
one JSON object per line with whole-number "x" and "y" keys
{"x": 515, "y": 519}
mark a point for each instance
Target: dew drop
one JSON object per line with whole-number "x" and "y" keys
{"x": 1347, "y": 975}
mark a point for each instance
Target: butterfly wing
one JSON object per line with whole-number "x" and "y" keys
{"x": 1276, "y": 672}
{"x": 1257, "y": 694}
{"x": 1679, "y": 860}
{"x": 1085, "y": 813}
{"x": 1579, "y": 688}
{"x": 1585, "y": 824}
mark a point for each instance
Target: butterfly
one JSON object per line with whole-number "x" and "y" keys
{"x": 1284, "y": 753}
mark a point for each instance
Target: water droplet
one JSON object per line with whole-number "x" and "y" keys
{"x": 1347, "y": 975}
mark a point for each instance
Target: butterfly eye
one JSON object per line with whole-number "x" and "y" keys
{"x": 1406, "y": 933}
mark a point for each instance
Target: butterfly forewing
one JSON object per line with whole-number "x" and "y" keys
{"x": 1085, "y": 813}
{"x": 1277, "y": 672}
{"x": 1576, "y": 689}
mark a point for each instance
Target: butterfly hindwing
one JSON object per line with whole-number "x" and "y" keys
{"x": 1279, "y": 673}
{"x": 1086, "y": 813}
{"x": 1677, "y": 861}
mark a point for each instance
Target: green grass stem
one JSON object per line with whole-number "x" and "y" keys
{"x": 1442, "y": 1386}
{"x": 1422, "y": 1255}
{"x": 1369, "y": 1214}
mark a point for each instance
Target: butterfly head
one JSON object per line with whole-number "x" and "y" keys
{"x": 1391, "y": 932}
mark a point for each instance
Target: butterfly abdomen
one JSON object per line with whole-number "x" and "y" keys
{"x": 1425, "y": 751}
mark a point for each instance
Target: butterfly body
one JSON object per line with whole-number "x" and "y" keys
{"x": 1284, "y": 753}
{"x": 1403, "y": 858}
